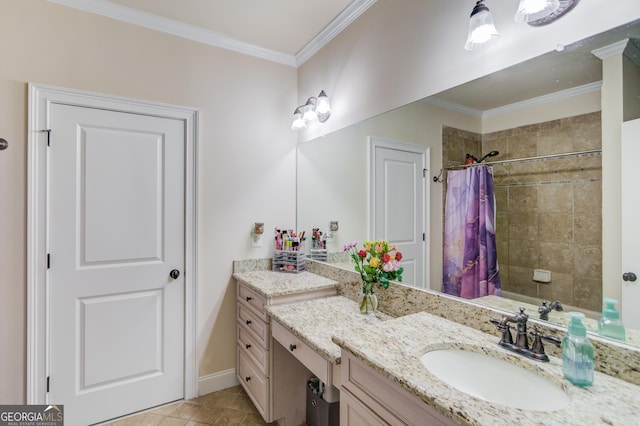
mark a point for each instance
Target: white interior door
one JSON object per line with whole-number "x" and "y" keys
{"x": 116, "y": 231}
{"x": 630, "y": 151}
{"x": 399, "y": 197}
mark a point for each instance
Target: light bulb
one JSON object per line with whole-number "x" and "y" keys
{"x": 482, "y": 31}
{"x": 323, "y": 107}
{"x": 308, "y": 112}
{"x": 298, "y": 121}
{"x": 532, "y": 10}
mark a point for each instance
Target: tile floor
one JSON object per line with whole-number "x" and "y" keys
{"x": 226, "y": 407}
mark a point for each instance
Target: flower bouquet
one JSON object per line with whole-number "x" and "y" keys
{"x": 377, "y": 263}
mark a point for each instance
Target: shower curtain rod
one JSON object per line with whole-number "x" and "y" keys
{"x": 520, "y": 160}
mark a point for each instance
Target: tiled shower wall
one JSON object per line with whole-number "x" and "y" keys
{"x": 549, "y": 212}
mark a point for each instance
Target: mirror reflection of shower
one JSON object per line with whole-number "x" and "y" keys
{"x": 472, "y": 159}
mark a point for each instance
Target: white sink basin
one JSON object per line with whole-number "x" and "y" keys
{"x": 495, "y": 380}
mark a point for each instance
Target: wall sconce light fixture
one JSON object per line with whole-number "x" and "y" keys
{"x": 536, "y": 13}
{"x": 482, "y": 31}
{"x": 314, "y": 109}
{"x": 532, "y": 10}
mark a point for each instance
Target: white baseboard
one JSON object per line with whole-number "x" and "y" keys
{"x": 217, "y": 381}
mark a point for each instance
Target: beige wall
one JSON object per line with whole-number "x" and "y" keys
{"x": 575, "y": 105}
{"x": 240, "y": 164}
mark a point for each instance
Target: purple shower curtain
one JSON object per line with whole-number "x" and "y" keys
{"x": 470, "y": 257}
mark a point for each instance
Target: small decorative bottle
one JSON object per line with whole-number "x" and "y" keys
{"x": 577, "y": 352}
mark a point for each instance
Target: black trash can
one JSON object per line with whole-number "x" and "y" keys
{"x": 319, "y": 411}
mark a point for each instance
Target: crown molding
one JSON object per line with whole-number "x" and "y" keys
{"x": 610, "y": 50}
{"x": 201, "y": 35}
{"x": 540, "y": 100}
{"x": 545, "y": 99}
{"x": 453, "y": 106}
{"x": 342, "y": 21}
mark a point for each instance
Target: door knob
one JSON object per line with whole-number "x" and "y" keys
{"x": 174, "y": 274}
{"x": 629, "y": 276}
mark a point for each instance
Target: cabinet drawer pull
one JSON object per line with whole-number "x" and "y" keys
{"x": 249, "y": 298}
{"x": 246, "y": 379}
{"x": 292, "y": 347}
{"x": 248, "y": 322}
{"x": 247, "y": 345}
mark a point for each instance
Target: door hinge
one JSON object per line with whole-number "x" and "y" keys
{"x": 424, "y": 236}
{"x": 424, "y": 172}
{"x": 48, "y": 131}
{"x": 48, "y": 261}
{"x": 48, "y": 382}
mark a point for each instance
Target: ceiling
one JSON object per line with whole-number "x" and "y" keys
{"x": 286, "y": 31}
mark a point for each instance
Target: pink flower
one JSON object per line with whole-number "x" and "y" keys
{"x": 391, "y": 266}
{"x": 349, "y": 245}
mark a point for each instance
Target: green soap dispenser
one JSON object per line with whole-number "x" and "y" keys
{"x": 577, "y": 352}
{"x": 610, "y": 324}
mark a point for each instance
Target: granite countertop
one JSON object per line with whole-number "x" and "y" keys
{"x": 274, "y": 284}
{"x": 394, "y": 347}
{"x": 316, "y": 321}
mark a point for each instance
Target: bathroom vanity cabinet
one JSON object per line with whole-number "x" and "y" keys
{"x": 263, "y": 364}
{"x": 375, "y": 362}
{"x": 367, "y": 398}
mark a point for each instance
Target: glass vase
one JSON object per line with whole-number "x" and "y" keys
{"x": 368, "y": 303}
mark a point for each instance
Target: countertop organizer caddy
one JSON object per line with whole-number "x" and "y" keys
{"x": 318, "y": 245}
{"x": 289, "y": 252}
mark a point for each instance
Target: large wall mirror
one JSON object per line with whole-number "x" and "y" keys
{"x": 545, "y": 106}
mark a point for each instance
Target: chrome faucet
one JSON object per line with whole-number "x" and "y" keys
{"x": 521, "y": 345}
{"x": 544, "y": 309}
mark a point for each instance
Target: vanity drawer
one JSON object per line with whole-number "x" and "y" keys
{"x": 252, "y": 322}
{"x": 253, "y": 299}
{"x": 307, "y": 356}
{"x": 253, "y": 381}
{"x": 253, "y": 348}
{"x": 387, "y": 399}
